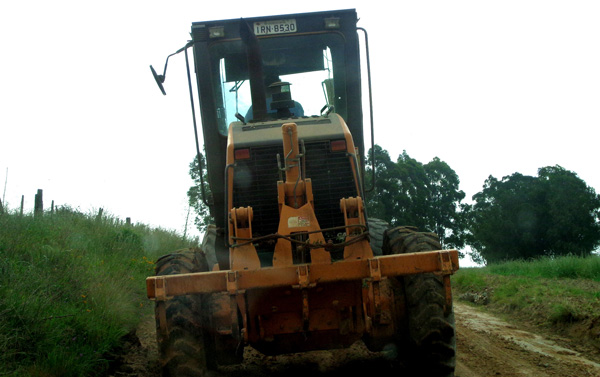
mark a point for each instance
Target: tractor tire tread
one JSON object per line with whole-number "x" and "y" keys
{"x": 182, "y": 347}
{"x": 377, "y": 228}
{"x": 432, "y": 344}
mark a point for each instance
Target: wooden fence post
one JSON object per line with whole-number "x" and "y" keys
{"x": 22, "y": 202}
{"x": 128, "y": 221}
{"x": 38, "y": 209}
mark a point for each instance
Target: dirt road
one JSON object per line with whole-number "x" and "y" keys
{"x": 486, "y": 346}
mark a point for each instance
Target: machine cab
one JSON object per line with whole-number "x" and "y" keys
{"x": 254, "y": 72}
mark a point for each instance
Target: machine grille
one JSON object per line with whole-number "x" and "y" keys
{"x": 255, "y": 185}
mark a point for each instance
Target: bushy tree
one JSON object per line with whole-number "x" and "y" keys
{"x": 522, "y": 217}
{"x": 572, "y": 210}
{"x": 410, "y": 193}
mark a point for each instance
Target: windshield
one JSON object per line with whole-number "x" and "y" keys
{"x": 312, "y": 64}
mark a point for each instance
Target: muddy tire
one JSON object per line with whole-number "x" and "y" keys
{"x": 429, "y": 343}
{"x": 377, "y": 228}
{"x": 183, "y": 347}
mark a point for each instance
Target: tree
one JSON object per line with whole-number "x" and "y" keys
{"x": 413, "y": 193}
{"x": 195, "y": 199}
{"x": 410, "y": 193}
{"x": 523, "y": 217}
{"x": 504, "y": 219}
{"x": 574, "y": 207}
{"x": 381, "y": 202}
{"x": 444, "y": 217}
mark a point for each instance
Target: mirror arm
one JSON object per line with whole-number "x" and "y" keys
{"x": 198, "y": 154}
{"x": 160, "y": 79}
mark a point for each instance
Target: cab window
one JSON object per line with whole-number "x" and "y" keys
{"x": 312, "y": 64}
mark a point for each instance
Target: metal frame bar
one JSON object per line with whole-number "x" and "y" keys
{"x": 443, "y": 262}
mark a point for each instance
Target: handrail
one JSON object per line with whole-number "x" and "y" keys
{"x": 370, "y": 110}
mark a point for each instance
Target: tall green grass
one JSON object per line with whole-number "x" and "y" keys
{"x": 567, "y": 267}
{"x": 71, "y": 286}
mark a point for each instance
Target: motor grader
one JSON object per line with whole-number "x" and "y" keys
{"x": 292, "y": 262}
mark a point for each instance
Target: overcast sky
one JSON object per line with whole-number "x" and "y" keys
{"x": 490, "y": 87}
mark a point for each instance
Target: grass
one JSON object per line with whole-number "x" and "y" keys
{"x": 71, "y": 286}
{"x": 567, "y": 267}
{"x": 562, "y": 294}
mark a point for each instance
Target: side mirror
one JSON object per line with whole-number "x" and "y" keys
{"x": 159, "y": 80}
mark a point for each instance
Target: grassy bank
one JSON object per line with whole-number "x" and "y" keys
{"x": 71, "y": 286}
{"x": 561, "y": 294}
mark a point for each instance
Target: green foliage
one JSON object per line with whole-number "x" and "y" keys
{"x": 381, "y": 202}
{"x": 195, "y": 197}
{"x": 410, "y": 193}
{"x": 444, "y": 203}
{"x": 525, "y": 217}
{"x": 71, "y": 286}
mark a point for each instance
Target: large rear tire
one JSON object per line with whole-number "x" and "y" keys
{"x": 430, "y": 348}
{"x": 377, "y": 228}
{"x": 182, "y": 339}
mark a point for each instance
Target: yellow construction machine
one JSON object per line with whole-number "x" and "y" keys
{"x": 293, "y": 263}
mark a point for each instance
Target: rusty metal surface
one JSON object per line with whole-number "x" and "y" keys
{"x": 162, "y": 287}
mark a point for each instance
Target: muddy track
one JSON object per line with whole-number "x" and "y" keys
{"x": 489, "y": 346}
{"x": 486, "y": 346}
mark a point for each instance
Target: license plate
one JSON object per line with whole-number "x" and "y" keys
{"x": 275, "y": 27}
